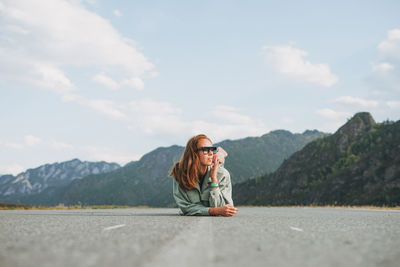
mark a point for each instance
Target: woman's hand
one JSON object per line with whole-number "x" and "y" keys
{"x": 227, "y": 210}
{"x": 218, "y": 158}
{"x": 214, "y": 169}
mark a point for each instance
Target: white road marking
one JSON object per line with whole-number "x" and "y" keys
{"x": 113, "y": 227}
{"x": 296, "y": 229}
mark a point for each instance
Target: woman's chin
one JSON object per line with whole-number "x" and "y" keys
{"x": 206, "y": 163}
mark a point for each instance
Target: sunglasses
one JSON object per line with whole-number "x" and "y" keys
{"x": 206, "y": 149}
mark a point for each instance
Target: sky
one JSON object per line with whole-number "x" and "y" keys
{"x": 113, "y": 80}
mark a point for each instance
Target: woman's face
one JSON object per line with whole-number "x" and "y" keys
{"x": 205, "y": 160}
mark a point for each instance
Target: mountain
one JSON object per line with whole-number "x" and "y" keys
{"x": 255, "y": 156}
{"x": 146, "y": 182}
{"x": 4, "y": 179}
{"x": 48, "y": 177}
{"x": 357, "y": 165}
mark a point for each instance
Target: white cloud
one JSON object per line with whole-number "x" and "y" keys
{"x": 333, "y": 120}
{"x": 385, "y": 74}
{"x": 382, "y": 67}
{"x": 105, "y": 107}
{"x": 94, "y": 153}
{"x": 134, "y": 82}
{"x": 356, "y": 101}
{"x": 92, "y": 2}
{"x": 117, "y": 13}
{"x": 393, "y": 104}
{"x": 31, "y": 140}
{"x": 219, "y": 131}
{"x": 51, "y": 78}
{"x": 287, "y": 119}
{"x": 42, "y": 40}
{"x": 13, "y": 145}
{"x": 13, "y": 169}
{"x": 14, "y": 29}
{"x": 70, "y": 97}
{"x": 226, "y": 122}
{"x": 153, "y": 117}
{"x": 391, "y": 46}
{"x": 332, "y": 115}
{"x": 290, "y": 62}
{"x": 105, "y": 81}
{"x": 56, "y": 145}
{"x": 230, "y": 114}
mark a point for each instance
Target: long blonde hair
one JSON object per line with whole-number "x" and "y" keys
{"x": 186, "y": 171}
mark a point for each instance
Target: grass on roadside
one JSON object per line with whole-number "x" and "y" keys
{"x": 330, "y": 207}
{"x": 76, "y": 207}
{"x": 62, "y": 207}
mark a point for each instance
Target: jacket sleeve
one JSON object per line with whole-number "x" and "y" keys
{"x": 184, "y": 203}
{"x": 222, "y": 195}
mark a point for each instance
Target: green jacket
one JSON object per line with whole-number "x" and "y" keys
{"x": 198, "y": 200}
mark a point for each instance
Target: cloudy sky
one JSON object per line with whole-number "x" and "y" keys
{"x": 113, "y": 80}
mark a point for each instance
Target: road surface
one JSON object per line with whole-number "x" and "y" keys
{"x": 160, "y": 237}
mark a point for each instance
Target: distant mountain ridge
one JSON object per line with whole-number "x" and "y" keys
{"x": 252, "y": 157}
{"x": 37, "y": 180}
{"x": 357, "y": 165}
{"x": 146, "y": 182}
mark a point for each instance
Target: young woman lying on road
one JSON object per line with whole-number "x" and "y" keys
{"x": 202, "y": 186}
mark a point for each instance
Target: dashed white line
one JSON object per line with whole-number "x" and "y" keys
{"x": 296, "y": 229}
{"x": 113, "y": 227}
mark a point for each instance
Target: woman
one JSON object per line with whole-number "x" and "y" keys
{"x": 202, "y": 186}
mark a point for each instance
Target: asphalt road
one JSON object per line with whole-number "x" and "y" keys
{"x": 160, "y": 237}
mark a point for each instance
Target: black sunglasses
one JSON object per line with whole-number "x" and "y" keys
{"x": 206, "y": 149}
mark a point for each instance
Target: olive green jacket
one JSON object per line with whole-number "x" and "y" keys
{"x": 197, "y": 201}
